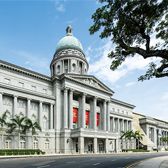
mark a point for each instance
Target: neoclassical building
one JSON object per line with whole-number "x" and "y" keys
{"x": 76, "y": 111}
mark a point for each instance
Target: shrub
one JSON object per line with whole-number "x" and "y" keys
{"x": 134, "y": 150}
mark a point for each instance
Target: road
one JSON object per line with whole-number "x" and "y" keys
{"x": 77, "y": 161}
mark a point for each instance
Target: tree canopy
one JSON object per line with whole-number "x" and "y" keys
{"x": 132, "y": 25}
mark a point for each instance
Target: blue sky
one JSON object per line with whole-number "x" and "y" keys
{"x": 30, "y": 31}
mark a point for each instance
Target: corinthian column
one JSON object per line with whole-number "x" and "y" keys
{"x": 51, "y": 116}
{"x": 104, "y": 115}
{"x": 15, "y": 106}
{"x": 108, "y": 116}
{"x": 40, "y": 113}
{"x": 28, "y": 108}
{"x": 94, "y": 112}
{"x": 83, "y": 110}
{"x": 1, "y": 104}
{"x": 65, "y": 118}
{"x": 71, "y": 109}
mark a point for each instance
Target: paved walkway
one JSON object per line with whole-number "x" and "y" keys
{"x": 158, "y": 162}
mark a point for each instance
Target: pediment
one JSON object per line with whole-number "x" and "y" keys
{"x": 91, "y": 81}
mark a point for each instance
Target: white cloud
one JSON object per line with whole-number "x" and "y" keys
{"x": 35, "y": 62}
{"x": 70, "y": 21}
{"x": 101, "y": 68}
{"x": 88, "y": 50}
{"x": 165, "y": 96}
{"x": 61, "y": 8}
{"x": 88, "y": 59}
{"x": 130, "y": 84}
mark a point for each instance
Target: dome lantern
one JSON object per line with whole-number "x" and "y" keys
{"x": 69, "y": 56}
{"x": 69, "y": 30}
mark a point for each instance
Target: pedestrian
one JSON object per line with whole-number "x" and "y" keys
{"x": 38, "y": 151}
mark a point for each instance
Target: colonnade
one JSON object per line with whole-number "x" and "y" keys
{"x": 78, "y": 67}
{"x": 28, "y": 109}
{"x": 68, "y": 111}
{"x": 120, "y": 124}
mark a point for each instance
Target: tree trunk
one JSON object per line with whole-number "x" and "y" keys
{"x": 32, "y": 141}
{"x": 138, "y": 144}
{"x": 19, "y": 139}
{"x": 2, "y": 136}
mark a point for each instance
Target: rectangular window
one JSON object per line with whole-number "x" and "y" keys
{"x": 33, "y": 106}
{"x": 45, "y": 108}
{"x": 7, "y": 81}
{"x": 87, "y": 117}
{"x": 113, "y": 109}
{"x": 35, "y": 145}
{"x": 118, "y": 110}
{"x": 75, "y": 115}
{"x": 7, "y": 101}
{"x": 122, "y": 111}
{"x": 97, "y": 119}
{"x": 44, "y": 91}
{"x": 21, "y": 85}
{"x": 46, "y": 145}
{"x": 34, "y": 88}
{"x": 21, "y": 103}
{"x": 127, "y": 113}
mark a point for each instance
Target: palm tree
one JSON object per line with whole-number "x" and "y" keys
{"x": 33, "y": 126}
{"x": 17, "y": 123}
{"x": 164, "y": 139}
{"x": 138, "y": 136}
{"x": 2, "y": 123}
{"x": 127, "y": 135}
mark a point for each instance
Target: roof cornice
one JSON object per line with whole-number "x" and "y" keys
{"x": 24, "y": 70}
{"x": 122, "y": 103}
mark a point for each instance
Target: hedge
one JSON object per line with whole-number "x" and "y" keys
{"x": 19, "y": 152}
{"x": 135, "y": 150}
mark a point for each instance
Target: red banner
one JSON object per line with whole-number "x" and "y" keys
{"x": 87, "y": 117}
{"x": 75, "y": 115}
{"x": 97, "y": 119}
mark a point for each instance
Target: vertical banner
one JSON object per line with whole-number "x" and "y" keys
{"x": 97, "y": 119}
{"x": 160, "y": 133}
{"x": 75, "y": 115}
{"x": 87, "y": 117}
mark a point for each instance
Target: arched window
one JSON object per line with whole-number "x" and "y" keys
{"x": 8, "y": 116}
{"x": 45, "y": 123}
{"x": 101, "y": 146}
{"x": 8, "y": 143}
{"x": 58, "y": 69}
{"x": 35, "y": 143}
{"x": 47, "y": 144}
{"x": 73, "y": 67}
{"x": 33, "y": 118}
{"x": 22, "y": 144}
{"x": 80, "y": 68}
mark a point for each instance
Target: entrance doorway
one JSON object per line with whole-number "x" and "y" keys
{"x": 90, "y": 146}
{"x": 101, "y": 146}
{"x": 76, "y": 145}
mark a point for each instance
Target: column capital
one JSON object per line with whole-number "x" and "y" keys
{"x": 29, "y": 98}
{"x": 84, "y": 94}
{"x": 65, "y": 88}
{"x": 95, "y": 97}
{"x": 71, "y": 90}
{"x": 40, "y": 101}
{"x": 15, "y": 95}
{"x": 1, "y": 93}
{"x": 51, "y": 104}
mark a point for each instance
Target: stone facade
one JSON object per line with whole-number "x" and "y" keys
{"x": 76, "y": 111}
{"x": 151, "y": 128}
